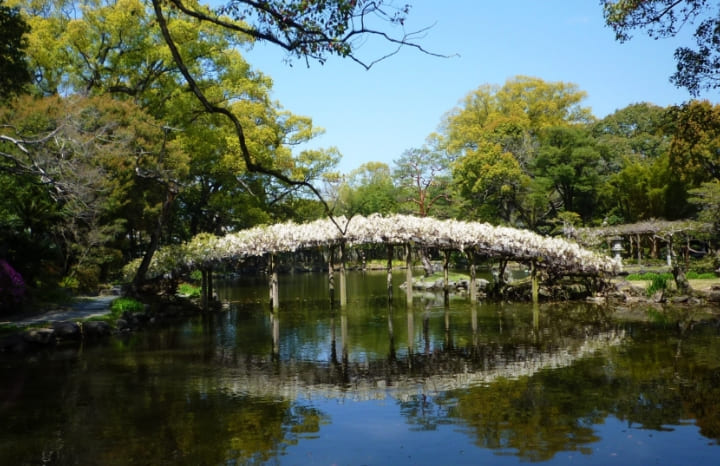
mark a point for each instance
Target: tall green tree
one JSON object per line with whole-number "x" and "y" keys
{"x": 115, "y": 48}
{"x": 422, "y": 176}
{"x": 367, "y": 190}
{"x": 309, "y": 30}
{"x": 494, "y": 137}
{"x": 79, "y": 161}
{"x": 14, "y": 71}
{"x": 490, "y": 180}
{"x": 571, "y": 164}
{"x": 639, "y": 184}
{"x": 695, "y": 145}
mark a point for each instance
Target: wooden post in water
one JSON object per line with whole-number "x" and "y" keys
{"x": 473, "y": 277}
{"x": 389, "y": 271}
{"x": 333, "y": 340}
{"x": 410, "y": 334}
{"x": 391, "y": 332}
{"x": 210, "y": 291}
{"x": 448, "y": 338}
{"x": 474, "y": 323}
{"x": 408, "y": 275}
{"x": 331, "y": 275}
{"x": 534, "y": 282}
{"x": 344, "y": 336}
{"x": 343, "y": 281}
{"x": 446, "y": 276}
{"x": 203, "y": 288}
{"x": 274, "y": 286}
{"x": 275, "y": 320}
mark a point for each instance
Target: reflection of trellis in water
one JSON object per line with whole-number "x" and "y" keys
{"x": 557, "y": 255}
{"x": 405, "y": 378}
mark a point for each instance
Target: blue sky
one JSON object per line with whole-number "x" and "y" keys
{"x": 375, "y": 115}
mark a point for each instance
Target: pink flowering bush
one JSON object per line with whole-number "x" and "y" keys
{"x": 12, "y": 287}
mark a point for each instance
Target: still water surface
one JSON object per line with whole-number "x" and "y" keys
{"x": 374, "y": 383}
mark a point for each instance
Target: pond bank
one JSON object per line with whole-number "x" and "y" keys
{"x": 88, "y": 318}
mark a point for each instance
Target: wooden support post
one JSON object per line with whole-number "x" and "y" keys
{"x": 275, "y": 320}
{"x": 410, "y": 334}
{"x": 391, "y": 333}
{"x": 653, "y": 247}
{"x": 333, "y": 340}
{"x": 473, "y": 277}
{"x": 389, "y": 271}
{"x": 639, "y": 249}
{"x": 534, "y": 282}
{"x": 448, "y": 338}
{"x": 446, "y": 276}
{"x": 274, "y": 286}
{"x": 343, "y": 281}
{"x": 210, "y": 290}
{"x": 203, "y": 288}
{"x": 474, "y": 323}
{"x": 331, "y": 275}
{"x": 344, "y": 336}
{"x": 408, "y": 275}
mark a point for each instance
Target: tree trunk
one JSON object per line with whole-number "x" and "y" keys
{"x": 154, "y": 241}
{"x": 425, "y": 258}
{"x": 473, "y": 277}
{"x": 682, "y": 283}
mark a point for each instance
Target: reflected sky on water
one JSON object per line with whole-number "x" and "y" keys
{"x": 373, "y": 383}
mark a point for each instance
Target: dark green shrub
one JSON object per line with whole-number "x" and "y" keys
{"x": 121, "y": 305}
{"x": 196, "y": 275}
{"x": 191, "y": 291}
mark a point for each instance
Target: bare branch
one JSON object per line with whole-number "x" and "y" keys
{"x": 307, "y": 41}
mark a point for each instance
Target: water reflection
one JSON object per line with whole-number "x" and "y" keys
{"x": 251, "y": 386}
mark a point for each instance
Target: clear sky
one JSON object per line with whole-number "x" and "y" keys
{"x": 375, "y": 115}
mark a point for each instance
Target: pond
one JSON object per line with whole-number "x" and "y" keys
{"x": 373, "y": 383}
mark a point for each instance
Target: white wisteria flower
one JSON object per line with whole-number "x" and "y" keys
{"x": 560, "y": 255}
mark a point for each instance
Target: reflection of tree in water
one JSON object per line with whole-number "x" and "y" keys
{"x": 678, "y": 377}
{"x": 170, "y": 418}
{"x": 644, "y": 383}
{"x": 423, "y": 412}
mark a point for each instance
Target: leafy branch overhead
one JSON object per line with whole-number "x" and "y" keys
{"x": 305, "y": 29}
{"x": 698, "y": 67}
{"x": 315, "y": 30}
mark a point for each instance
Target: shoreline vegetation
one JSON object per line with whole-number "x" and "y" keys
{"x": 637, "y": 293}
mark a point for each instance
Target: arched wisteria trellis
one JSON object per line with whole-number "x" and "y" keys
{"x": 557, "y": 255}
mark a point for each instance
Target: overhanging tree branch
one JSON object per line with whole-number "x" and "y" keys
{"x": 304, "y": 34}
{"x": 212, "y": 108}
{"x": 303, "y": 30}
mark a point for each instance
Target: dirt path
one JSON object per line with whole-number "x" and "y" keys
{"x": 83, "y": 308}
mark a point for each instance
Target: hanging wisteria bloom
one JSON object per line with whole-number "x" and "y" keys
{"x": 557, "y": 254}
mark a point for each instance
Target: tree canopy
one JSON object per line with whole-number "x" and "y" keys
{"x": 14, "y": 71}
{"x": 137, "y": 124}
